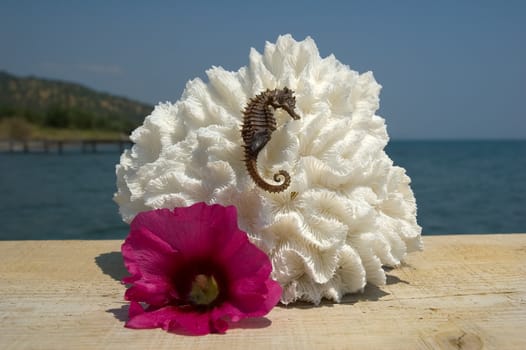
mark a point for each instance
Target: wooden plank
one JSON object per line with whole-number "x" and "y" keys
{"x": 466, "y": 292}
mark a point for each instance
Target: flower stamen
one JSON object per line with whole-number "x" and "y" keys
{"x": 204, "y": 290}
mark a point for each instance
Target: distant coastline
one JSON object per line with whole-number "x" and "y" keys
{"x": 38, "y": 113}
{"x": 61, "y": 146}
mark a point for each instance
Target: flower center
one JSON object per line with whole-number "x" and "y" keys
{"x": 204, "y": 290}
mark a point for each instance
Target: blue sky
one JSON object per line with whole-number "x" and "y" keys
{"x": 449, "y": 69}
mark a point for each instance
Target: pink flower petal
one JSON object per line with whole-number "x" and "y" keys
{"x": 146, "y": 253}
{"x": 174, "y": 319}
{"x": 257, "y": 302}
{"x": 256, "y": 263}
{"x": 196, "y": 323}
{"x": 273, "y": 296}
{"x": 135, "y": 309}
{"x": 252, "y": 305}
{"x": 151, "y": 262}
{"x": 154, "y": 292}
{"x": 152, "y": 319}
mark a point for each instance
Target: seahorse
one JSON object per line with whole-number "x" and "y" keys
{"x": 258, "y": 125}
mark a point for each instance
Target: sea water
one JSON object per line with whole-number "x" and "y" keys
{"x": 466, "y": 186}
{"x": 460, "y": 187}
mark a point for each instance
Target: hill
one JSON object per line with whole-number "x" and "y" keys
{"x": 58, "y": 104}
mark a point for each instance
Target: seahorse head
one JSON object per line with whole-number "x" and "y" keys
{"x": 284, "y": 98}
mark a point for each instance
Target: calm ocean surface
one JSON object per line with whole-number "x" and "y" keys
{"x": 460, "y": 187}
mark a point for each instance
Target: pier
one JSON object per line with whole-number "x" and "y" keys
{"x": 61, "y": 146}
{"x": 461, "y": 292}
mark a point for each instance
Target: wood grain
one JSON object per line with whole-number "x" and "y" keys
{"x": 462, "y": 292}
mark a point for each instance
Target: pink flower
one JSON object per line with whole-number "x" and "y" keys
{"x": 192, "y": 270}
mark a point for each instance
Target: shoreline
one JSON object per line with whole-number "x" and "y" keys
{"x": 92, "y": 145}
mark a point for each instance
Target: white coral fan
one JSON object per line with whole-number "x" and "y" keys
{"x": 348, "y": 210}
